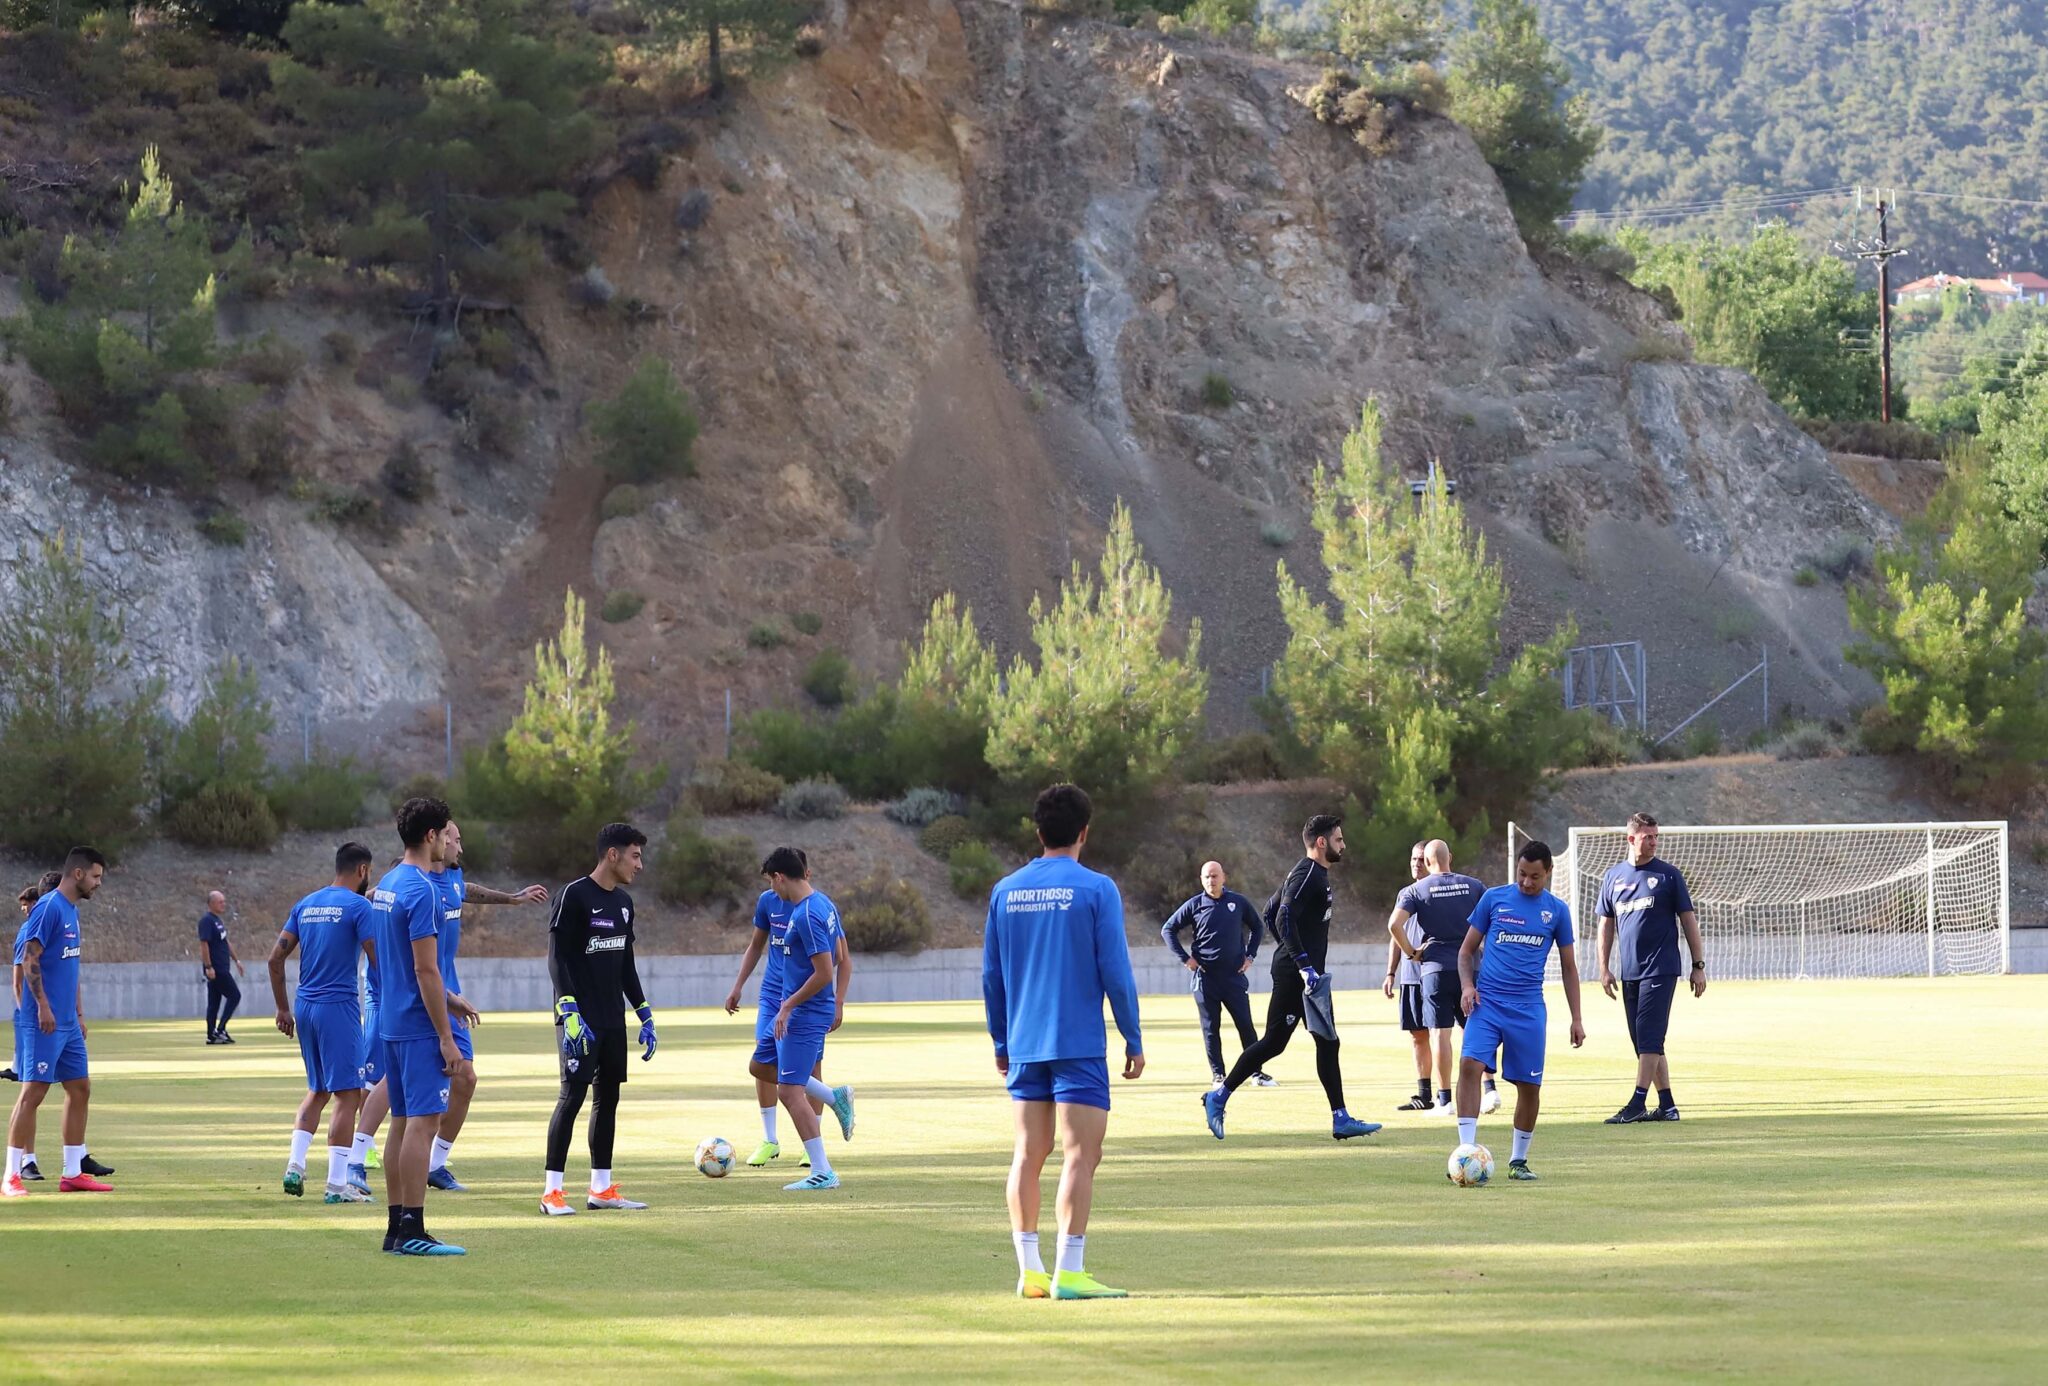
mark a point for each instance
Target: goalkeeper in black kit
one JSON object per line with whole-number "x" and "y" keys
{"x": 590, "y": 960}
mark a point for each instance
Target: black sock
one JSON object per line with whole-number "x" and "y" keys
{"x": 394, "y": 1215}
{"x": 1637, "y": 1100}
{"x": 413, "y": 1222}
{"x": 1665, "y": 1099}
{"x": 1489, "y": 1083}
{"x": 1422, "y": 1088}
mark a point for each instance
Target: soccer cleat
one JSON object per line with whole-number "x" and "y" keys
{"x": 1417, "y": 1104}
{"x": 8, "y": 1075}
{"x": 1519, "y": 1169}
{"x": 1217, "y": 1081}
{"x": 295, "y": 1182}
{"x": 1344, "y": 1128}
{"x": 1081, "y": 1285}
{"x": 82, "y": 1183}
{"x": 345, "y": 1193}
{"x": 1034, "y": 1285}
{"x": 1661, "y": 1114}
{"x": 555, "y": 1205}
{"x": 1489, "y": 1102}
{"x": 1628, "y": 1116}
{"x": 372, "y": 1160}
{"x": 814, "y": 1184}
{"x": 88, "y": 1165}
{"x": 1212, "y": 1108}
{"x": 804, "y": 1163}
{"x": 359, "y": 1180}
{"x": 426, "y": 1246}
{"x": 842, "y": 1107}
{"x": 763, "y": 1153}
{"x": 444, "y": 1179}
{"x": 31, "y": 1172}
{"x": 610, "y": 1198}
{"x": 13, "y": 1188}
{"x": 1265, "y": 1080}
{"x": 226, "y": 1038}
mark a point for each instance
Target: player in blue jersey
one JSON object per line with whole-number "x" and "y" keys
{"x": 1052, "y": 951}
{"x": 802, "y": 960}
{"x": 421, "y": 1060}
{"x": 49, "y": 1028}
{"x": 332, "y": 927}
{"x": 1501, "y": 965}
{"x": 1426, "y": 928}
{"x": 1645, "y": 902}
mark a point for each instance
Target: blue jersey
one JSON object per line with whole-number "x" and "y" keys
{"x": 1052, "y": 951}
{"x": 1518, "y": 931}
{"x": 406, "y": 906}
{"x": 451, "y": 886}
{"x": 1644, "y": 902}
{"x": 810, "y": 928}
{"x": 54, "y": 924}
{"x": 771, "y": 917}
{"x": 330, "y": 925}
{"x": 1439, "y": 910}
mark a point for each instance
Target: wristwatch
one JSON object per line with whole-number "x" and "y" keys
{"x": 1699, "y": 964}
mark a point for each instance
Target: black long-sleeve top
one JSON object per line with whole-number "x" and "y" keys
{"x": 1301, "y": 921}
{"x": 590, "y": 953}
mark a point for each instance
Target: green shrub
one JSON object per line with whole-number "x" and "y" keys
{"x": 1703, "y": 740}
{"x": 1603, "y": 742}
{"x": 1276, "y": 534}
{"x": 623, "y": 502}
{"x": 405, "y": 475}
{"x": 646, "y": 430}
{"x": 225, "y": 815}
{"x": 1217, "y": 392}
{"x": 829, "y": 679}
{"x": 692, "y": 868}
{"x": 763, "y": 635}
{"x": 1247, "y": 756}
{"x": 319, "y": 796}
{"x": 809, "y": 800}
{"x": 621, "y": 605}
{"x": 341, "y": 348}
{"x": 223, "y": 741}
{"x": 1734, "y": 625}
{"x": 943, "y": 834}
{"x": 974, "y": 870}
{"x": 884, "y": 913}
{"x": 1806, "y": 577}
{"x": 224, "y": 528}
{"x": 807, "y": 622}
{"x": 421, "y": 786}
{"x": 1808, "y": 741}
{"x": 270, "y": 363}
{"x": 1845, "y": 556}
{"x": 922, "y": 807}
{"x": 496, "y": 350}
{"x": 733, "y": 786}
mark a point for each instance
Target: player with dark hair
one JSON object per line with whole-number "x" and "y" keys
{"x": 1426, "y": 927}
{"x": 420, "y": 1057}
{"x": 1500, "y": 966}
{"x": 1645, "y": 901}
{"x": 333, "y": 924}
{"x": 49, "y": 1037}
{"x": 590, "y": 959}
{"x": 27, "y": 901}
{"x": 802, "y": 959}
{"x": 1052, "y": 952}
{"x": 1299, "y": 918}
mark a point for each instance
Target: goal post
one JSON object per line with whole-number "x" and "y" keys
{"x": 1818, "y": 900}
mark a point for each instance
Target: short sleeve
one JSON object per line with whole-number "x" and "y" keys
{"x": 291, "y": 922}
{"x": 817, "y": 931}
{"x": 424, "y": 915}
{"x": 1681, "y": 894}
{"x": 1409, "y": 901}
{"x": 1564, "y": 935}
{"x": 762, "y": 920}
{"x": 1605, "y": 907}
{"x": 1477, "y": 919}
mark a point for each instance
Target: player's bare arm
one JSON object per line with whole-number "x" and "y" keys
{"x": 32, "y": 978}
{"x": 475, "y": 894}
{"x": 279, "y": 951}
{"x": 1468, "y": 971}
{"x": 1605, "y": 945}
{"x": 1568, "y": 967}
{"x": 1690, "y": 922}
{"x": 755, "y": 945}
{"x": 843, "y": 965}
{"x": 433, "y": 994}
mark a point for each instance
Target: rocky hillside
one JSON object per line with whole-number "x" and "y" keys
{"x": 943, "y": 293}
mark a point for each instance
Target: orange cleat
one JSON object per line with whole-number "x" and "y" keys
{"x": 555, "y": 1205}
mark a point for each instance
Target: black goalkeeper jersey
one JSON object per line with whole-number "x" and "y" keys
{"x": 590, "y": 952}
{"x": 1301, "y": 919}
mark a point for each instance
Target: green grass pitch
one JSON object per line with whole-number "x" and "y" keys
{"x": 1857, "y": 1191}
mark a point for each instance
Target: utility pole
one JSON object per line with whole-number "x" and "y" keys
{"x": 1881, "y": 250}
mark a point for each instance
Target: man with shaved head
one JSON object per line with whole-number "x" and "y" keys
{"x": 1226, "y": 929}
{"x": 1426, "y": 928}
{"x": 218, "y": 963}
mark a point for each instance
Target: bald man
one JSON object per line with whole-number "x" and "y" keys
{"x": 1427, "y": 928}
{"x": 218, "y": 962}
{"x": 1226, "y": 929}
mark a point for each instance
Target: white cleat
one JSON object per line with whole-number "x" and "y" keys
{"x": 555, "y": 1204}
{"x": 1490, "y": 1102}
{"x": 610, "y": 1198}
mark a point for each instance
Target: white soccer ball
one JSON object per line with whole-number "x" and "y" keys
{"x": 1471, "y": 1166}
{"x": 714, "y": 1157}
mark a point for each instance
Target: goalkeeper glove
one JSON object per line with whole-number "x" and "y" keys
{"x": 1310, "y": 978}
{"x": 646, "y": 1014}
{"x": 575, "y": 1033}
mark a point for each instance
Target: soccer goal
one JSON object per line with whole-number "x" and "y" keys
{"x": 1818, "y": 900}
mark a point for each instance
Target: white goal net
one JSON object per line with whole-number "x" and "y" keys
{"x": 1817, "y": 900}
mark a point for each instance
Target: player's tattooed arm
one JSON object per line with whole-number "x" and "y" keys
{"x": 32, "y": 978}
{"x": 484, "y": 895}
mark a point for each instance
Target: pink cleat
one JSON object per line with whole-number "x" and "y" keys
{"x": 14, "y": 1188}
{"x": 82, "y": 1183}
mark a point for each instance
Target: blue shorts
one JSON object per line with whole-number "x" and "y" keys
{"x": 52, "y": 1058}
{"x": 798, "y": 1052}
{"x": 373, "y": 1049}
{"x": 463, "y": 1042}
{"x": 1647, "y": 1005}
{"x": 331, "y": 1043}
{"x": 412, "y": 1073}
{"x": 764, "y": 1032}
{"x": 1517, "y": 1036}
{"x": 1079, "y": 1082}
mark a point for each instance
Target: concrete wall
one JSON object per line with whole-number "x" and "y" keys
{"x": 171, "y": 991}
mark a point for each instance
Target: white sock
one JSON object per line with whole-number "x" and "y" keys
{"x": 359, "y": 1152}
{"x": 1027, "y": 1251}
{"x": 1468, "y": 1130}
{"x": 29, "y": 1156}
{"x": 600, "y": 1180}
{"x": 815, "y": 1148}
{"x": 818, "y": 1090}
{"x": 15, "y": 1156}
{"x": 302, "y": 1141}
{"x": 554, "y": 1181}
{"x": 1522, "y": 1139}
{"x": 337, "y": 1165}
{"x": 768, "y": 1124}
{"x": 1069, "y": 1258}
{"x": 74, "y": 1157}
{"x": 440, "y": 1158}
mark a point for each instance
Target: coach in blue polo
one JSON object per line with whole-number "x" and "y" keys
{"x": 1644, "y": 902}
{"x": 1226, "y": 938}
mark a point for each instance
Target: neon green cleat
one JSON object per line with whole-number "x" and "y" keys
{"x": 1034, "y": 1285}
{"x": 763, "y": 1153}
{"x": 1081, "y": 1285}
{"x": 295, "y": 1182}
{"x": 1519, "y": 1169}
{"x": 373, "y": 1160}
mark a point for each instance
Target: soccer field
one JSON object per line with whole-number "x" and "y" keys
{"x": 1859, "y": 1189}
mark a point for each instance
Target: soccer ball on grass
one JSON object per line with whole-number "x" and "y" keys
{"x": 1471, "y": 1166}
{"x": 714, "y": 1157}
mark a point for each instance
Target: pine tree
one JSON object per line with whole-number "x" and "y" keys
{"x": 561, "y": 749}
{"x": 765, "y": 26}
{"x": 1508, "y": 88}
{"x": 222, "y": 743}
{"x": 1382, "y": 34}
{"x": 645, "y": 431}
{"x": 1107, "y": 705}
{"x": 938, "y": 714}
{"x": 950, "y": 664}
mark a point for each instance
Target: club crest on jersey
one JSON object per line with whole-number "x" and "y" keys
{"x": 625, "y": 916}
{"x": 42, "y": 1068}
{"x": 1653, "y": 882}
{"x": 1548, "y": 916}
{"x": 616, "y": 943}
{"x": 1233, "y": 907}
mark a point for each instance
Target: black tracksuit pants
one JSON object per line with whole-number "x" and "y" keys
{"x": 1218, "y": 989}
{"x": 1284, "y": 1012}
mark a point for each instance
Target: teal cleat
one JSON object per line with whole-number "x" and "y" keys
{"x": 814, "y": 1183}
{"x": 345, "y": 1193}
{"x": 295, "y": 1182}
{"x": 842, "y": 1107}
{"x": 444, "y": 1179}
{"x": 426, "y": 1246}
{"x": 1519, "y": 1169}
{"x": 359, "y": 1180}
{"x": 1345, "y": 1127}
{"x": 1212, "y": 1108}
